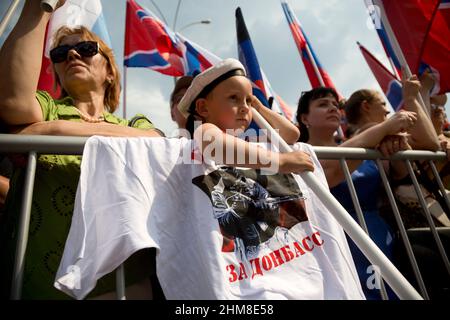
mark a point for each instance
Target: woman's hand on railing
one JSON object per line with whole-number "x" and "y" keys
{"x": 392, "y": 144}
{"x": 295, "y": 162}
{"x": 445, "y": 146}
{"x": 401, "y": 121}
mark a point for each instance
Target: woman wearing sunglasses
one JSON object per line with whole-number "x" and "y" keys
{"x": 85, "y": 70}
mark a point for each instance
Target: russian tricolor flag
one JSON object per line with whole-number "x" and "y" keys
{"x": 422, "y": 30}
{"x": 304, "y": 46}
{"x": 197, "y": 59}
{"x": 73, "y": 13}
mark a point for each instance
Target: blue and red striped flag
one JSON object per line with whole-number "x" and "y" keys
{"x": 436, "y": 50}
{"x": 197, "y": 59}
{"x": 73, "y": 13}
{"x": 261, "y": 86}
{"x": 248, "y": 58}
{"x": 388, "y": 82}
{"x": 421, "y": 28}
{"x": 149, "y": 44}
{"x": 303, "y": 46}
{"x": 390, "y": 53}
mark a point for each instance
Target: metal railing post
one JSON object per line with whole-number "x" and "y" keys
{"x": 10, "y": 143}
{"x": 361, "y": 219}
{"x": 440, "y": 184}
{"x": 403, "y": 234}
{"x": 120, "y": 282}
{"x": 390, "y": 273}
{"x": 24, "y": 225}
{"x": 423, "y": 203}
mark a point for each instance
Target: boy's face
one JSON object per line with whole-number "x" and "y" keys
{"x": 229, "y": 104}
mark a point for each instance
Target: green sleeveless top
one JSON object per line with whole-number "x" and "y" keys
{"x": 51, "y": 214}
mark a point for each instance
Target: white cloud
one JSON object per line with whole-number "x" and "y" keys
{"x": 150, "y": 99}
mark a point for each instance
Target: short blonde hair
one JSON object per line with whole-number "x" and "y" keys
{"x": 112, "y": 92}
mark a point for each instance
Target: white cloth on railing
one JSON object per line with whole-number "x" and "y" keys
{"x": 137, "y": 193}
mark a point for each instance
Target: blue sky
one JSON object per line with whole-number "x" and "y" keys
{"x": 332, "y": 26}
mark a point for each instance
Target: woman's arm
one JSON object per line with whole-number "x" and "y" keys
{"x": 20, "y": 65}
{"x": 426, "y": 84}
{"x": 423, "y": 135}
{"x": 226, "y": 149}
{"x": 83, "y": 129}
{"x": 288, "y": 131}
{"x": 370, "y": 138}
{"x": 4, "y": 187}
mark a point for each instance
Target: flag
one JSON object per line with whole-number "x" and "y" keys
{"x": 197, "y": 59}
{"x": 73, "y": 13}
{"x": 150, "y": 44}
{"x": 410, "y": 20}
{"x": 421, "y": 28}
{"x": 221, "y": 232}
{"x": 304, "y": 46}
{"x": 387, "y": 46}
{"x": 248, "y": 58}
{"x": 261, "y": 86}
{"x": 316, "y": 73}
{"x": 436, "y": 51}
{"x": 285, "y": 108}
{"x": 388, "y": 82}
{"x": 444, "y": 11}
{"x": 382, "y": 35}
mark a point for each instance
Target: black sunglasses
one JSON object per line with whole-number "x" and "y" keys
{"x": 84, "y": 49}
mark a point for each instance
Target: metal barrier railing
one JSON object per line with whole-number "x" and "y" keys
{"x": 34, "y": 145}
{"x": 407, "y": 156}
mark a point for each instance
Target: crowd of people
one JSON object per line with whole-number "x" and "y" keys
{"x": 222, "y": 101}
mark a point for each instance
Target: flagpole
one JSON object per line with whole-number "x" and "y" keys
{"x": 124, "y": 110}
{"x": 398, "y": 51}
{"x": 388, "y": 271}
{"x": 8, "y": 15}
{"x": 313, "y": 62}
{"x": 369, "y": 3}
{"x": 321, "y": 82}
{"x": 340, "y": 132}
{"x": 394, "y": 69}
